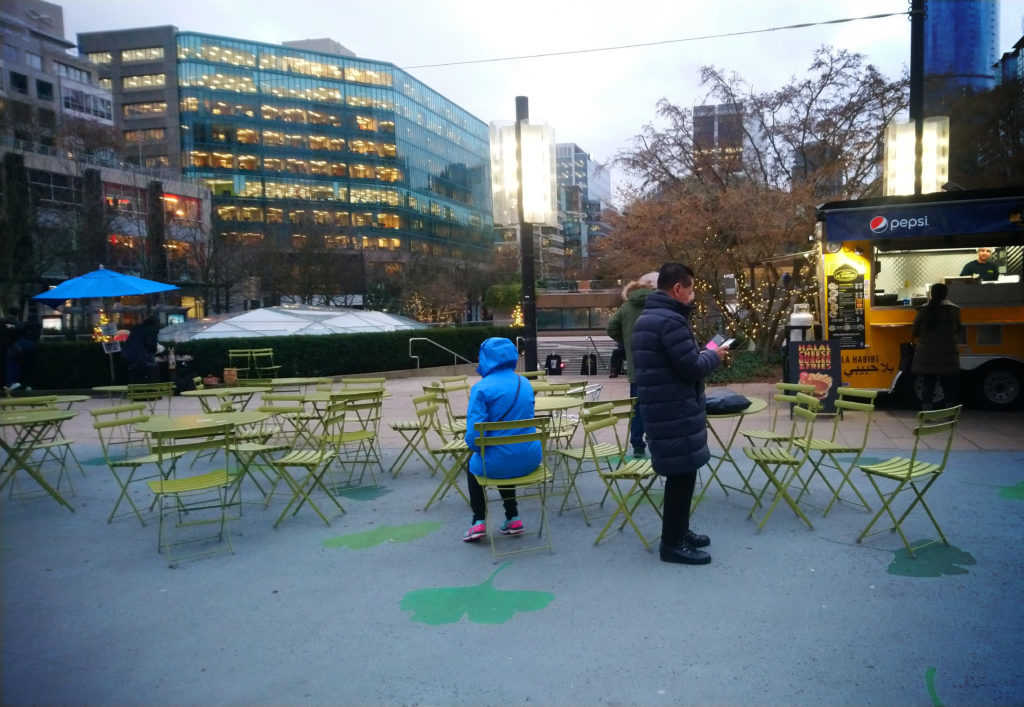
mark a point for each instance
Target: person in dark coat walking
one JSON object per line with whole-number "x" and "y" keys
{"x": 139, "y": 352}
{"x": 937, "y": 355}
{"x": 670, "y": 373}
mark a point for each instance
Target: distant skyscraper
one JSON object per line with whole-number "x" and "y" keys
{"x": 584, "y": 192}
{"x": 960, "y": 47}
{"x": 718, "y": 135}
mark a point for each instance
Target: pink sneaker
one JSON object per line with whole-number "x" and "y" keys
{"x": 475, "y": 532}
{"x": 513, "y": 526}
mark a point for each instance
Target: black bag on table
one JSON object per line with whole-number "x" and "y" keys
{"x": 723, "y": 401}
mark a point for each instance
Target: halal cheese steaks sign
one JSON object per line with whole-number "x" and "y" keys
{"x": 816, "y": 363}
{"x": 846, "y": 307}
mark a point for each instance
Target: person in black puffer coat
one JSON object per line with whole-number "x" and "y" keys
{"x": 670, "y": 372}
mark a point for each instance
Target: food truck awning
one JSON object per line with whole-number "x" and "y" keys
{"x": 945, "y": 219}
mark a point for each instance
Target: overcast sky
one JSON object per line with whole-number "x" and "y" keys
{"x": 598, "y": 101}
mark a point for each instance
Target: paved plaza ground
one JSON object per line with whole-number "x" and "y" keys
{"x": 389, "y": 606}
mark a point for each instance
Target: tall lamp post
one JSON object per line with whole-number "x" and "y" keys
{"x": 523, "y": 189}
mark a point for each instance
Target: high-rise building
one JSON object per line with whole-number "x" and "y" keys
{"x": 960, "y": 48}
{"x": 43, "y": 89}
{"x": 305, "y": 148}
{"x": 1010, "y": 66}
{"x": 584, "y": 193}
{"x": 718, "y": 136}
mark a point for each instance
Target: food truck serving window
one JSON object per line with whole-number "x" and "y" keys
{"x": 903, "y": 277}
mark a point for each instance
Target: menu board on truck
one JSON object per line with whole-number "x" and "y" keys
{"x": 817, "y": 363}
{"x": 845, "y": 291}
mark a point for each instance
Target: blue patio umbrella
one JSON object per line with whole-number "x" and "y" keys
{"x": 101, "y": 283}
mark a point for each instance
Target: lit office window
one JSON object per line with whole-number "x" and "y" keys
{"x": 142, "y": 110}
{"x": 146, "y": 54}
{"x": 150, "y": 135}
{"x": 143, "y": 81}
{"x": 99, "y": 57}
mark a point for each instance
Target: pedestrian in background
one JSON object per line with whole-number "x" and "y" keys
{"x": 937, "y": 355}
{"x": 620, "y": 328}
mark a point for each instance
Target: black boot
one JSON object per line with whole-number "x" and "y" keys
{"x": 696, "y": 540}
{"x": 684, "y": 554}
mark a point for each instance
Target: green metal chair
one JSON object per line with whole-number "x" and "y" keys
{"x": 596, "y": 455}
{"x": 413, "y": 432}
{"x": 241, "y": 361}
{"x": 907, "y": 473}
{"x": 313, "y": 464}
{"x": 189, "y": 499}
{"x": 115, "y": 428}
{"x": 849, "y": 402}
{"x": 263, "y": 365}
{"x": 357, "y": 442}
{"x": 781, "y": 463}
{"x": 537, "y": 479}
{"x": 781, "y": 401}
{"x": 151, "y": 394}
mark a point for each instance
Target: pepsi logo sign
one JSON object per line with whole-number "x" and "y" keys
{"x": 881, "y": 224}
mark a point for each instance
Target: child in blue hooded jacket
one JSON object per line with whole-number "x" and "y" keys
{"x": 502, "y": 394}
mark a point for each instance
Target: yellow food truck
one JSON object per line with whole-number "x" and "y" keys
{"x": 878, "y": 259}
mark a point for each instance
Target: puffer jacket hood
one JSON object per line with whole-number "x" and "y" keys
{"x": 496, "y": 353}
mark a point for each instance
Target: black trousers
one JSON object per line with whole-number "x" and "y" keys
{"x": 478, "y": 503}
{"x": 675, "y": 519}
{"x": 950, "y": 391}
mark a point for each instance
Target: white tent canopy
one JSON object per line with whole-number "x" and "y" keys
{"x": 288, "y": 321}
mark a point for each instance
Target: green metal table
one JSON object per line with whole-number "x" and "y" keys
{"x": 736, "y": 419}
{"x": 29, "y": 428}
{"x": 188, "y": 423}
{"x": 238, "y": 396}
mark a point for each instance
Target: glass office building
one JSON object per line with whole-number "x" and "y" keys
{"x": 300, "y": 147}
{"x": 961, "y": 45}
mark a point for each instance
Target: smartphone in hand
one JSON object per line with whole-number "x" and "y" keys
{"x": 720, "y": 342}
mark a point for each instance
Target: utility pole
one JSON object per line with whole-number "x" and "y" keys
{"x": 917, "y": 15}
{"x": 529, "y": 280}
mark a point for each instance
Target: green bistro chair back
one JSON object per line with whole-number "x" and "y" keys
{"x": 909, "y": 473}
{"x": 241, "y": 361}
{"x": 263, "y": 365}
{"x": 784, "y": 398}
{"x": 287, "y": 423}
{"x": 534, "y": 375}
{"x": 595, "y": 455}
{"x": 193, "y": 501}
{"x": 538, "y": 479}
{"x": 151, "y": 394}
{"x": 451, "y": 425}
{"x": 449, "y": 455}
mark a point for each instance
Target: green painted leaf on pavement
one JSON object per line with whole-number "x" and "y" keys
{"x": 1013, "y": 493}
{"x": 481, "y": 603}
{"x": 384, "y": 534}
{"x": 934, "y": 560}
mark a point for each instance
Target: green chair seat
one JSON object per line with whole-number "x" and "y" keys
{"x": 771, "y": 455}
{"x": 824, "y": 445}
{"x": 200, "y": 482}
{"x": 902, "y": 468}
{"x": 537, "y": 476}
{"x": 770, "y": 435}
{"x": 632, "y": 469}
{"x": 304, "y": 457}
{"x": 601, "y": 449}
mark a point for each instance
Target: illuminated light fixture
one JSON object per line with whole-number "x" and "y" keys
{"x": 539, "y": 196}
{"x": 898, "y": 167}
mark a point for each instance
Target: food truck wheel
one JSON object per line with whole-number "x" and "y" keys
{"x": 999, "y": 385}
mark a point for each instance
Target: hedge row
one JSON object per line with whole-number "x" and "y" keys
{"x": 69, "y": 365}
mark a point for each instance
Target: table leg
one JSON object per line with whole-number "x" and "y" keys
{"x": 18, "y": 459}
{"x": 725, "y": 456}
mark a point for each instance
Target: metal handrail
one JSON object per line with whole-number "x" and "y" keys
{"x": 455, "y": 361}
{"x": 596, "y": 351}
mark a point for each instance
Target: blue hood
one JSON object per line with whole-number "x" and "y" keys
{"x": 497, "y": 353}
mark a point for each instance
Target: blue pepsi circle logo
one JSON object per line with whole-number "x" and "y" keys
{"x": 879, "y": 224}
